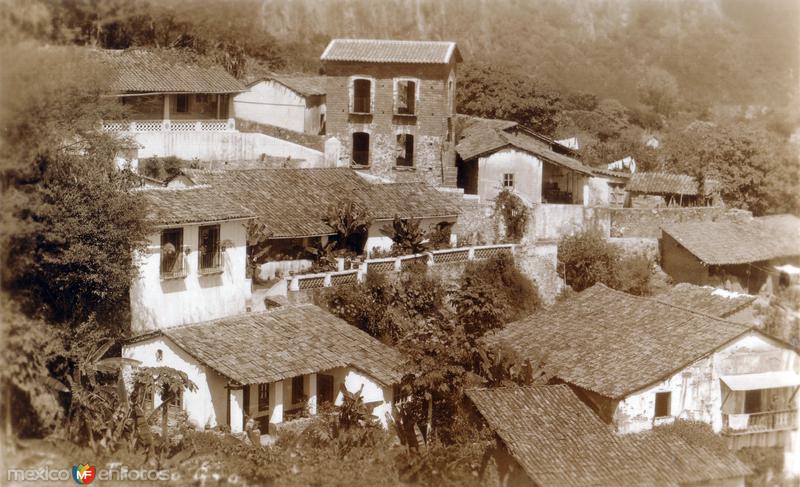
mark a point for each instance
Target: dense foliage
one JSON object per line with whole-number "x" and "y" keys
{"x": 587, "y": 258}
{"x": 515, "y": 214}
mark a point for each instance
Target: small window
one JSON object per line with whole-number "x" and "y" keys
{"x": 663, "y": 400}
{"x": 298, "y": 392}
{"x": 263, "y": 397}
{"x": 182, "y": 104}
{"x": 508, "y": 180}
{"x": 159, "y": 355}
{"x": 209, "y": 248}
{"x": 361, "y": 148}
{"x": 362, "y": 96}
{"x": 172, "y": 252}
{"x": 405, "y": 97}
{"x": 405, "y": 150}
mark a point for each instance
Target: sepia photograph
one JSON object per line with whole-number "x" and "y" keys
{"x": 400, "y": 243}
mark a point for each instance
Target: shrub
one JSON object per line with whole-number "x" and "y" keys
{"x": 407, "y": 236}
{"x": 161, "y": 168}
{"x": 588, "y": 258}
{"x": 515, "y": 214}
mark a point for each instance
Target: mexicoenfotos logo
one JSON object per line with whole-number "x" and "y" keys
{"x": 83, "y": 474}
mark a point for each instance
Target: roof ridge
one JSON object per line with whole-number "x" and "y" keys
{"x": 700, "y": 313}
{"x": 240, "y": 315}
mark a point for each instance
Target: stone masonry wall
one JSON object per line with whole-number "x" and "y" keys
{"x": 429, "y": 126}
{"x": 647, "y": 222}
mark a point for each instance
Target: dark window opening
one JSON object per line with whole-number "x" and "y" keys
{"x": 182, "y": 104}
{"x": 405, "y": 150}
{"x": 508, "y": 180}
{"x": 324, "y": 389}
{"x": 362, "y": 96}
{"x": 263, "y": 397}
{"x": 209, "y": 248}
{"x": 663, "y": 400}
{"x": 172, "y": 252}
{"x": 361, "y": 148}
{"x": 752, "y": 402}
{"x": 405, "y": 101}
{"x": 298, "y": 390}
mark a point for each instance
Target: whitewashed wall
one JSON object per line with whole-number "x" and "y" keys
{"x": 207, "y": 405}
{"x": 271, "y": 103}
{"x": 221, "y": 146}
{"x": 157, "y": 303}
{"x": 526, "y": 168}
{"x": 696, "y": 390}
{"x": 372, "y": 391}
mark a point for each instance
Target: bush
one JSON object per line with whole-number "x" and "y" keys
{"x": 161, "y": 168}
{"x": 515, "y": 214}
{"x": 588, "y": 258}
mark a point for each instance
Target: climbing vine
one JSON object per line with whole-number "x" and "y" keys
{"x": 515, "y": 214}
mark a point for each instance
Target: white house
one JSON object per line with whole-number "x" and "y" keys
{"x": 271, "y": 366}
{"x": 182, "y": 106}
{"x": 194, "y": 266}
{"x": 292, "y": 102}
{"x": 640, "y": 362}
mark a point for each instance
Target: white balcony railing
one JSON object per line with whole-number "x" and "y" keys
{"x": 299, "y": 282}
{"x": 210, "y": 125}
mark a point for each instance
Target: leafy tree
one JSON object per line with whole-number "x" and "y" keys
{"x": 658, "y": 89}
{"x": 351, "y": 223}
{"x": 492, "y": 92}
{"x": 515, "y": 214}
{"x": 407, "y": 235}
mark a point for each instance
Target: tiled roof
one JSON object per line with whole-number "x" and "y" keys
{"x": 286, "y": 342}
{"x": 621, "y": 175}
{"x": 293, "y": 202}
{"x": 559, "y": 441}
{"x": 163, "y": 71}
{"x": 304, "y": 85}
{"x": 725, "y": 243}
{"x": 614, "y": 343}
{"x": 391, "y": 51}
{"x": 198, "y": 204}
{"x": 706, "y": 299}
{"x": 480, "y": 137}
{"x": 663, "y": 183}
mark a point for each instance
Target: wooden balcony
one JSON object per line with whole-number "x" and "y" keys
{"x": 767, "y": 429}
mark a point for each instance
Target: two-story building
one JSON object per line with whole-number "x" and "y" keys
{"x": 194, "y": 266}
{"x": 391, "y": 104}
{"x": 640, "y": 362}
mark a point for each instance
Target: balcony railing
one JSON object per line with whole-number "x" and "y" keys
{"x": 742, "y": 424}
{"x": 210, "y": 261}
{"x": 210, "y": 125}
{"x": 174, "y": 266}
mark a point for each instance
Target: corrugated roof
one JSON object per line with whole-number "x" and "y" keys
{"x": 613, "y": 343}
{"x": 166, "y": 71}
{"x": 391, "y": 51}
{"x": 725, "y": 243}
{"x": 286, "y": 342}
{"x": 559, "y": 441}
{"x": 706, "y": 299}
{"x": 196, "y": 204}
{"x": 293, "y": 202}
{"x": 663, "y": 183}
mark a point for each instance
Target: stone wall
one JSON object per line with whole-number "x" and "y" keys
{"x": 552, "y": 222}
{"x": 647, "y": 222}
{"x": 638, "y": 246}
{"x": 429, "y": 125}
{"x": 477, "y": 222}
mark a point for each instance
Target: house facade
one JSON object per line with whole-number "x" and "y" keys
{"x": 740, "y": 256}
{"x": 271, "y": 367}
{"x": 497, "y": 154}
{"x": 391, "y": 105}
{"x": 547, "y": 437}
{"x": 295, "y": 103}
{"x": 177, "y": 105}
{"x": 194, "y": 266}
{"x": 641, "y": 362}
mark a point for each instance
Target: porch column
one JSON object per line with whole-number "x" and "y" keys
{"x": 276, "y": 398}
{"x": 312, "y": 394}
{"x": 166, "y": 107}
{"x": 219, "y": 100}
{"x": 236, "y": 419}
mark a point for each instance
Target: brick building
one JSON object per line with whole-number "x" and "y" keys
{"x": 391, "y": 105}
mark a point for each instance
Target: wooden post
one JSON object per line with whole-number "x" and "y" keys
{"x": 218, "y": 106}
